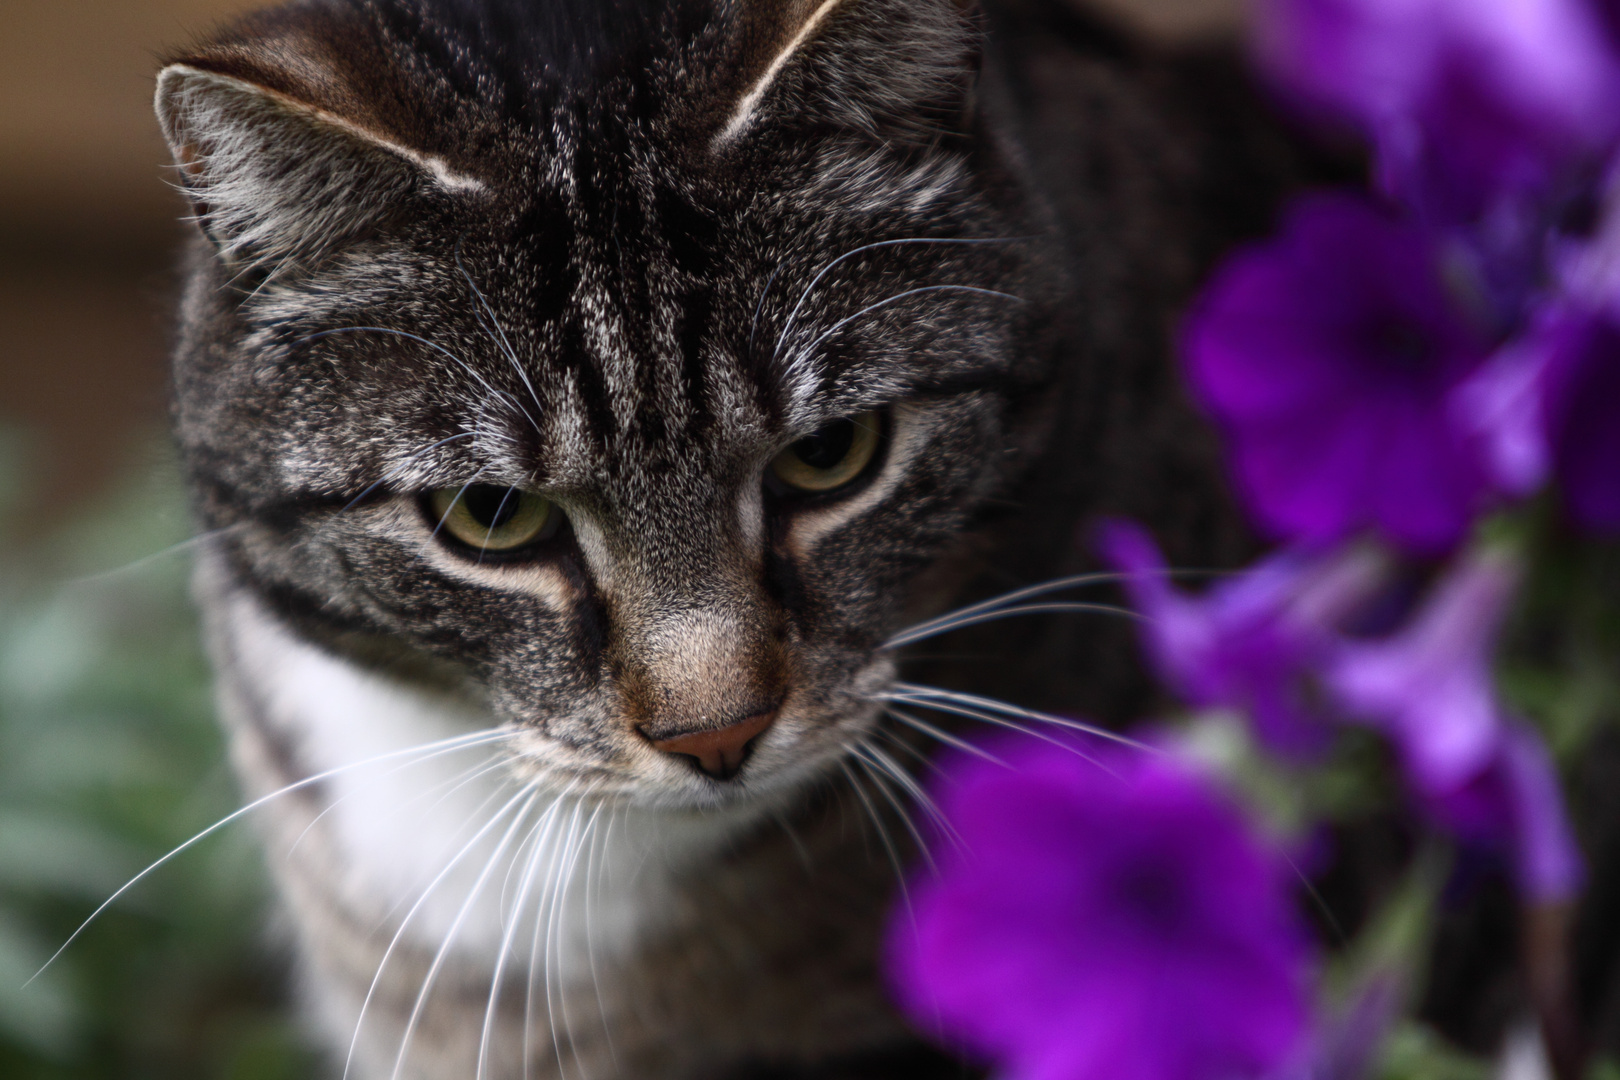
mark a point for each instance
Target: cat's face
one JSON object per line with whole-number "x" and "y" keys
{"x": 639, "y": 399}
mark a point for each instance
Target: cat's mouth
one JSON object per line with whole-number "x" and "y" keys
{"x": 768, "y": 755}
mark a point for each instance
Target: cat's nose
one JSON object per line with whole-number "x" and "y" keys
{"x": 720, "y": 751}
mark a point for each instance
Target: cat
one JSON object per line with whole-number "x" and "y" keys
{"x": 579, "y": 396}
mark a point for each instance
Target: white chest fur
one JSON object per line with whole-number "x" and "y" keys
{"x": 439, "y": 843}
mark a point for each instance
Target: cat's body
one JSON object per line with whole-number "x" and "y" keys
{"x": 620, "y": 256}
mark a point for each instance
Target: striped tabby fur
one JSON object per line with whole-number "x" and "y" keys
{"x": 621, "y": 254}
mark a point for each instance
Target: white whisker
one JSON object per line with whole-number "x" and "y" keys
{"x": 101, "y": 576}
{"x": 495, "y": 793}
{"x": 472, "y": 739}
{"x": 593, "y": 873}
{"x": 475, "y": 771}
{"x": 450, "y": 509}
{"x": 511, "y": 913}
{"x": 919, "y": 694}
{"x": 1000, "y": 721}
{"x": 925, "y": 628}
{"x": 793, "y": 316}
{"x": 400, "y": 468}
{"x": 919, "y": 724}
{"x": 455, "y": 926}
{"x": 544, "y": 916}
{"x": 502, "y": 340}
{"x": 799, "y": 849}
{"x": 809, "y": 350}
{"x": 883, "y": 836}
{"x": 550, "y": 818}
{"x": 554, "y": 932}
{"x": 908, "y": 783}
{"x": 508, "y": 931}
{"x": 497, "y": 394}
{"x": 910, "y": 637}
{"x": 753, "y": 326}
{"x": 876, "y": 773}
{"x": 404, "y": 924}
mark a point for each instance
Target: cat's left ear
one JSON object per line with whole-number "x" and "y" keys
{"x": 282, "y": 165}
{"x": 887, "y": 67}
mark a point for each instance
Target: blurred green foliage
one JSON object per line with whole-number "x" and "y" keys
{"x": 109, "y": 757}
{"x": 1414, "y": 1052}
{"x": 1561, "y": 662}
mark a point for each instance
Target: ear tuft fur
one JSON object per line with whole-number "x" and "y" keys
{"x": 279, "y": 184}
{"x": 871, "y": 65}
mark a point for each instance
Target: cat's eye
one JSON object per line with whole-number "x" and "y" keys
{"x": 831, "y": 456}
{"x": 490, "y": 518}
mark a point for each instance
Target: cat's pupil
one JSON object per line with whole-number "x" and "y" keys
{"x": 827, "y": 447}
{"x": 492, "y": 506}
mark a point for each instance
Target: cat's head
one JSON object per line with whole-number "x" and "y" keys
{"x": 632, "y": 363}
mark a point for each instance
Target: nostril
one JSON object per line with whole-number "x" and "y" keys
{"x": 720, "y": 752}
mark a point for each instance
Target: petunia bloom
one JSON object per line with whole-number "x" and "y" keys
{"x": 1548, "y": 403}
{"x": 1476, "y": 772}
{"x": 1470, "y": 104}
{"x": 1580, "y": 402}
{"x": 1429, "y": 688}
{"x": 1546, "y": 858}
{"x": 1328, "y": 356}
{"x": 1498, "y": 411}
{"x": 1250, "y": 642}
{"x": 1123, "y": 921}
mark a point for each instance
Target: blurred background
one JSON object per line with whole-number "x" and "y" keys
{"x": 108, "y": 752}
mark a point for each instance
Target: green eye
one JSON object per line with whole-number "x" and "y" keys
{"x": 492, "y": 518}
{"x": 831, "y": 457}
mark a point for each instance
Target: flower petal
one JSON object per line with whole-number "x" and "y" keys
{"x": 1327, "y": 356}
{"x": 1430, "y": 689}
{"x": 1123, "y": 921}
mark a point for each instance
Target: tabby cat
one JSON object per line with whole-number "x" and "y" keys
{"x": 581, "y": 395}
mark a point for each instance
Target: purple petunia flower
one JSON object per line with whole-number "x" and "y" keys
{"x": 1122, "y": 922}
{"x": 1328, "y": 355}
{"x": 1514, "y": 806}
{"x": 1549, "y": 402}
{"x": 1547, "y": 859}
{"x": 1429, "y": 688}
{"x": 1498, "y": 410}
{"x": 1474, "y": 771}
{"x": 1469, "y": 103}
{"x": 1581, "y": 413}
{"x": 1248, "y": 642}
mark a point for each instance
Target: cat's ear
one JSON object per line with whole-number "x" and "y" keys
{"x": 279, "y": 180}
{"x": 882, "y": 66}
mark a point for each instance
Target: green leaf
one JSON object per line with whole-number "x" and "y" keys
{"x": 1415, "y": 1052}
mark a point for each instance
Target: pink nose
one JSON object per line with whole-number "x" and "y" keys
{"x": 718, "y": 751}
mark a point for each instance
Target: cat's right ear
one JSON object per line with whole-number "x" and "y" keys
{"x": 279, "y": 183}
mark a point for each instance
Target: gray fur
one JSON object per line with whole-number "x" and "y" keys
{"x": 446, "y": 244}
